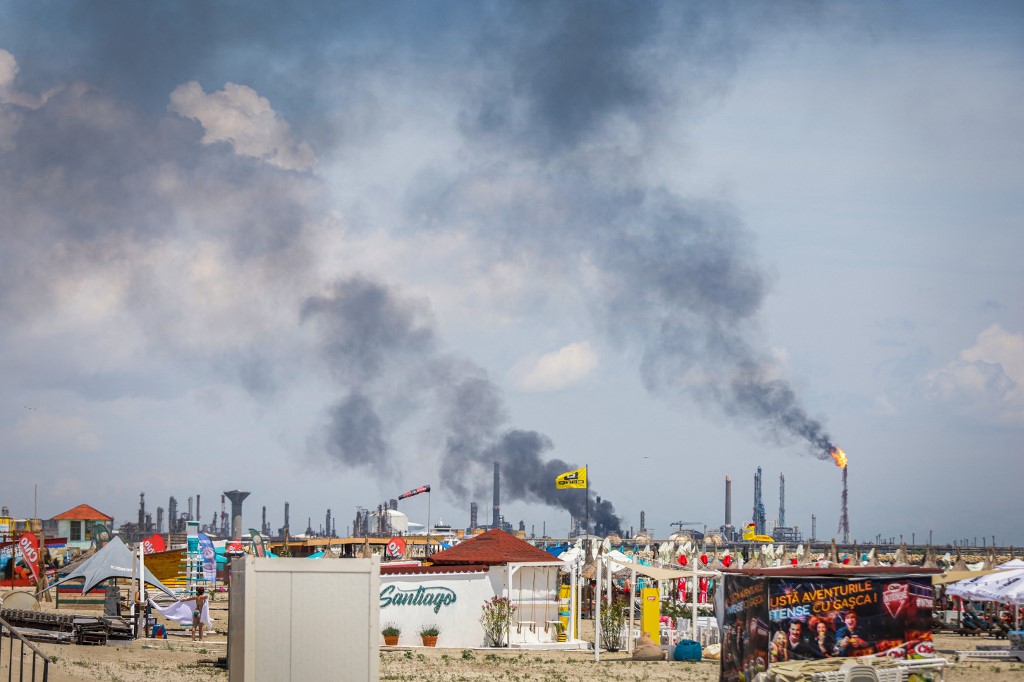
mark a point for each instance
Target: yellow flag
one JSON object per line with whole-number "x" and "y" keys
{"x": 572, "y": 479}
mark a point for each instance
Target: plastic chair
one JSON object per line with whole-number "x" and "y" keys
{"x": 861, "y": 673}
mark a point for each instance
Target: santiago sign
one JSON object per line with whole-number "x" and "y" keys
{"x": 392, "y": 595}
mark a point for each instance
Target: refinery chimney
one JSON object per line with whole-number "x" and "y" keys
{"x": 728, "y": 500}
{"x": 496, "y": 518}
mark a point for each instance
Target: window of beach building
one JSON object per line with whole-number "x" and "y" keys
{"x": 76, "y": 530}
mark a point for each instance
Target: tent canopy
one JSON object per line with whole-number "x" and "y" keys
{"x": 113, "y": 560}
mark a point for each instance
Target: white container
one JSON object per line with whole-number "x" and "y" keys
{"x": 302, "y": 619}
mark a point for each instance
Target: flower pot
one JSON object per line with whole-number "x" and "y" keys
{"x": 391, "y": 640}
{"x": 429, "y": 640}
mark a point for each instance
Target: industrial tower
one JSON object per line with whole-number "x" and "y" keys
{"x": 782, "y": 500}
{"x": 844, "y": 517}
{"x": 760, "y": 520}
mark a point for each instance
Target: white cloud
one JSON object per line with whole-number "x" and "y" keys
{"x": 42, "y": 429}
{"x": 554, "y": 371}
{"x": 10, "y": 99}
{"x": 987, "y": 380}
{"x": 239, "y": 116}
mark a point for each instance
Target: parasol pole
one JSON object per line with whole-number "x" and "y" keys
{"x": 693, "y": 611}
{"x": 426, "y": 551}
{"x": 586, "y": 475}
{"x": 597, "y": 613}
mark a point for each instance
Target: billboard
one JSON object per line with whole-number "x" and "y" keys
{"x": 745, "y": 633}
{"x": 831, "y": 617}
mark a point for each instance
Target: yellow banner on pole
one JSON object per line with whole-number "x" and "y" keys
{"x": 572, "y": 479}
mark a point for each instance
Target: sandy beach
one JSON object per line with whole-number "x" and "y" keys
{"x": 178, "y": 659}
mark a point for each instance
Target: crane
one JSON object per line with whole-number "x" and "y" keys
{"x": 680, "y": 524}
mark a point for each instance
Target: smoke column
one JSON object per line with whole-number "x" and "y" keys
{"x": 381, "y": 349}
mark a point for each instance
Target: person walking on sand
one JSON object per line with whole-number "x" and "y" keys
{"x": 197, "y": 611}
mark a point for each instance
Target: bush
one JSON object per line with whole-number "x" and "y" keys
{"x": 391, "y": 630}
{"x": 613, "y": 619}
{"x": 496, "y": 618}
{"x": 430, "y": 630}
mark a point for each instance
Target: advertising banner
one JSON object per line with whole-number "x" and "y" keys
{"x": 100, "y": 535}
{"x": 29, "y": 546}
{"x": 209, "y": 555}
{"x": 153, "y": 544}
{"x": 259, "y": 546}
{"x": 823, "y": 618}
{"x": 744, "y": 629}
{"x": 395, "y": 549}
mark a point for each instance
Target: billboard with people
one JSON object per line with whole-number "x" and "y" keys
{"x": 825, "y": 618}
{"x": 769, "y": 619}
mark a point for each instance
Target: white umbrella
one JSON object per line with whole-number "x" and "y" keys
{"x": 1005, "y": 592}
{"x": 969, "y": 588}
{"x": 1012, "y": 563}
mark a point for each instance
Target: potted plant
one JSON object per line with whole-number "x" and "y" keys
{"x": 391, "y": 633}
{"x": 429, "y": 633}
{"x": 497, "y": 616}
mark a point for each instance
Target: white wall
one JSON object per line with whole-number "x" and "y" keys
{"x": 463, "y": 595}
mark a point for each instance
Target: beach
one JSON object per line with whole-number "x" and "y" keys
{"x": 178, "y": 659}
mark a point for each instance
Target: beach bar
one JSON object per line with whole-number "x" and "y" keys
{"x": 450, "y": 593}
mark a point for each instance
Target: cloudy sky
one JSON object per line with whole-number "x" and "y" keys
{"x": 327, "y": 252}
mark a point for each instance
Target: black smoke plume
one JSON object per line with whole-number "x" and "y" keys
{"x": 380, "y": 348}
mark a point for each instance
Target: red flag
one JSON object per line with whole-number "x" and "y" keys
{"x": 29, "y": 546}
{"x": 702, "y": 596}
{"x": 153, "y": 544}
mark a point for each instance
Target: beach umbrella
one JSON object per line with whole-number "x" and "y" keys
{"x": 969, "y": 588}
{"x": 1012, "y": 563}
{"x": 1010, "y": 591}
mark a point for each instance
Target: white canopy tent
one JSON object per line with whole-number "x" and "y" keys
{"x": 113, "y": 560}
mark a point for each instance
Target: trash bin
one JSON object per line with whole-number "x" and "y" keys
{"x": 687, "y": 650}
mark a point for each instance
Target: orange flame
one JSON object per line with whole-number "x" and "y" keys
{"x": 838, "y": 455}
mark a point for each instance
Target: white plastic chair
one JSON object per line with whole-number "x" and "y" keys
{"x": 860, "y": 673}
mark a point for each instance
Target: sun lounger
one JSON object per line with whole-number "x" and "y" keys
{"x": 1006, "y": 654}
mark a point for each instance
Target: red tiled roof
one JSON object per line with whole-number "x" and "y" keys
{"x": 492, "y": 548}
{"x": 419, "y": 570}
{"x": 83, "y": 512}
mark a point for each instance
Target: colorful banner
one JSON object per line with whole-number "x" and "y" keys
{"x": 259, "y": 545}
{"x": 29, "y": 546}
{"x": 744, "y": 628}
{"x": 414, "y": 492}
{"x": 209, "y": 555}
{"x": 572, "y": 479}
{"x": 100, "y": 535}
{"x": 812, "y": 619}
{"x": 153, "y": 544}
{"x": 395, "y": 548}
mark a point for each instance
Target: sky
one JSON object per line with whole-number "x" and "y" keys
{"x": 329, "y": 252}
